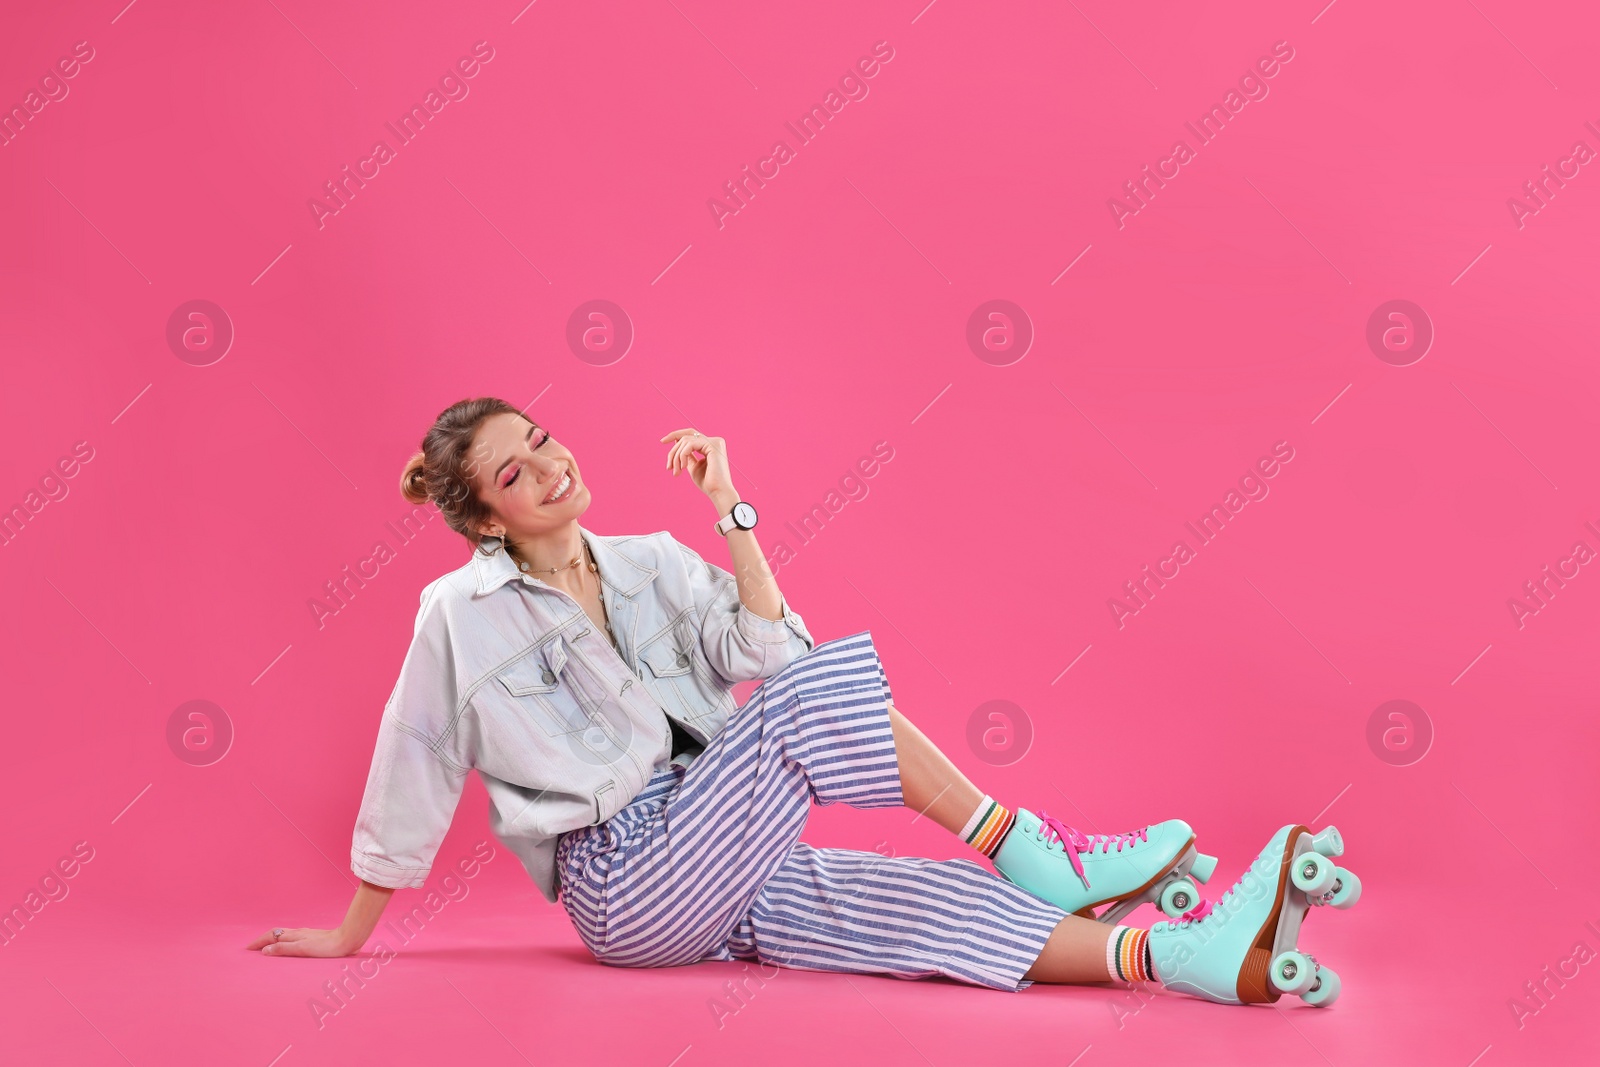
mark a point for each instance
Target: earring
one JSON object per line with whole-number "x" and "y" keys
{"x": 499, "y": 543}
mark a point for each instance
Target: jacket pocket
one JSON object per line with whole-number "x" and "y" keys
{"x": 534, "y": 684}
{"x": 683, "y": 680}
{"x": 537, "y": 672}
{"x": 668, "y": 656}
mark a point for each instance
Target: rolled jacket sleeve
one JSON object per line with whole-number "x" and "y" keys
{"x": 739, "y": 644}
{"x": 417, "y": 772}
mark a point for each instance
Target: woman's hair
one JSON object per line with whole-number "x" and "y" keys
{"x": 441, "y": 472}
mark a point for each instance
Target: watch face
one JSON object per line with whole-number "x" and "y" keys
{"x": 744, "y": 515}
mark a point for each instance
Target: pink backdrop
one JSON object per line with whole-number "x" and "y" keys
{"x": 186, "y": 491}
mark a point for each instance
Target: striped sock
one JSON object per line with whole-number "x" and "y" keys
{"x": 1128, "y": 955}
{"x": 988, "y": 826}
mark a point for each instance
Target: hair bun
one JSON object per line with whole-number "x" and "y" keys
{"x": 414, "y": 480}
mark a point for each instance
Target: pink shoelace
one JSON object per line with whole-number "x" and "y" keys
{"x": 1075, "y": 841}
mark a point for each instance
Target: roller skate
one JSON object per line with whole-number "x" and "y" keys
{"x": 1242, "y": 949}
{"x": 1080, "y": 872}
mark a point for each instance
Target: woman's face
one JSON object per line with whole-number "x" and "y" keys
{"x": 516, "y": 467}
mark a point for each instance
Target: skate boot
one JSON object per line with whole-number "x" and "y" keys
{"x": 1242, "y": 949}
{"x": 1080, "y": 872}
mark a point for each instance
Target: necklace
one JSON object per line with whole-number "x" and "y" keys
{"x": 523, "y": 565}
{"x": 594, "y": 570}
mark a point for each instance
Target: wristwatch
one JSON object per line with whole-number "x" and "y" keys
{"x": 742, "y": 517}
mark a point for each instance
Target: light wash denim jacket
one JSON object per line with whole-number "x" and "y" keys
{"x": 509, "y": 676}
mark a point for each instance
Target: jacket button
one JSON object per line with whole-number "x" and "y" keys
{"x": 549, "y": 676}
{"x": 683, "y": 659}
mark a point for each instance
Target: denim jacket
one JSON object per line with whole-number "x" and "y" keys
{"x": 509, "y": 676}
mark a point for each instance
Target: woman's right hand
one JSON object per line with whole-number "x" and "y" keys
{"x": 305, "y": 942}
{"x": 365, "y": 909}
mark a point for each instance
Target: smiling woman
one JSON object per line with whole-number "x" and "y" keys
{"x": 586, "y": 679}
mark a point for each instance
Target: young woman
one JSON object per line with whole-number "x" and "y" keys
{"x": 586, "y": 679}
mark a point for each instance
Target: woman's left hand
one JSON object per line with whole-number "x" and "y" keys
{"x": 705, "y": 458}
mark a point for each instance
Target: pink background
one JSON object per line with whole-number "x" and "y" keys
{"x": 828, "y": 314}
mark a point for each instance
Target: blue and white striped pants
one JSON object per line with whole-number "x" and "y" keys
{"x": 705, "y": 863}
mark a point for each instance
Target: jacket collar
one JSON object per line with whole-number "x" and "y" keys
{"x": 622, "y": 572}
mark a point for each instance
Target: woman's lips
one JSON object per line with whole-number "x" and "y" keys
{"x": 562, "y": 494}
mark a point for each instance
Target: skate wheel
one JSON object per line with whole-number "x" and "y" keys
{"x": 1346, "y": 889}
{"x": 1203, "y": 868}
{"x": 1312, "y": 873}
{"x": 1325, "y": 990}
{"x": 1293, "y": 973}
{"x": 1178, "y": 897}
{"x": 1328, "y": 841}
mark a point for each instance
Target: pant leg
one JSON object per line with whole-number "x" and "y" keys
{"x": 828, "y": 909}
{"x": 664, "y": 880}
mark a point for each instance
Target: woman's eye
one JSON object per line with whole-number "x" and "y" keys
{"x": 540, "y": 436}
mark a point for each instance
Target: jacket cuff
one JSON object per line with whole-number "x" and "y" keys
{"x": 387, "y": 875}
{"x": 771, "y": 631}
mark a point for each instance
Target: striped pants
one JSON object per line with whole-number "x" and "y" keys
{"x": 705, "y": 863}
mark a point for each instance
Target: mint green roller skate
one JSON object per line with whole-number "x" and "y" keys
{"x": 1080, "y": 872}
{"x": 1242, "y": 950}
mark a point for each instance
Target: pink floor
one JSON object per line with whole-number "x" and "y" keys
{"x": 156, "y": 973}
{"x": 1413, "y": 502}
